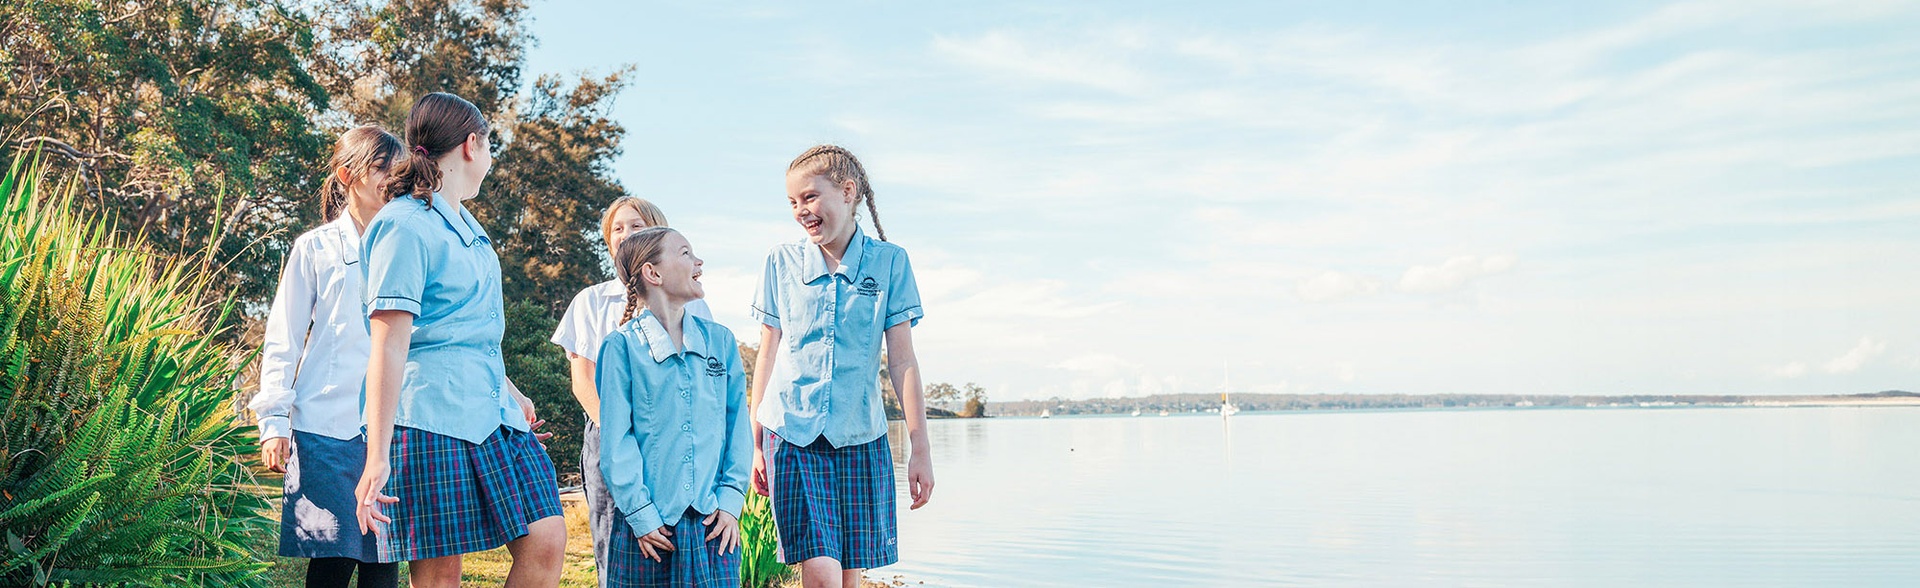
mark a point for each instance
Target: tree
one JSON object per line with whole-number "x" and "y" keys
{"x": 190, "y": 121}
{"x": 942, "y": 393}
{"x": 976, "y": 406}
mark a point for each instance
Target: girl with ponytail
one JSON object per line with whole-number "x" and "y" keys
{"x": 833, "y": 298}
{"x": 675, "y": 433}
{"x": 311, "y": 364}
{"x": 452, "y": 465}
{"x": 595, "y": 312}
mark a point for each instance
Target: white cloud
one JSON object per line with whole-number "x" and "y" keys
{"x": 1329, "y": 286}
{"x": 1868, "y": 349}
{"x": 1452, "y": 275}
{"x": 1006, "y": 53}
{"x": 1790, "y": 370}
{"x": 1098, "y": 363}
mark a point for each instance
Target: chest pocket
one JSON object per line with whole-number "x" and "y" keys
{"x": 860, "y": 304}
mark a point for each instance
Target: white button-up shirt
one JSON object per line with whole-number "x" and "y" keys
{"x": 314, "y": 359}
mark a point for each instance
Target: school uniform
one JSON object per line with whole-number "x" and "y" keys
{"x": 828, "y": 462}
{"x": 312, "y": 362}
{"x": 676, "y": 444}
{"x": 468, "y": 472}
{"x": 594, "y": 313}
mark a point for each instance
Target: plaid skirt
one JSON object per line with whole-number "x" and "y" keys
{"x": 457, "y": 497}
{"x": 694, "y": 561}
{"x": 834, "y": 502}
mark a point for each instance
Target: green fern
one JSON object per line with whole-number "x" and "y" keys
{"x": 120, "y": 459}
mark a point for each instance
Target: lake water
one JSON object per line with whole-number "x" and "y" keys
{"x": 1602, "y": 497}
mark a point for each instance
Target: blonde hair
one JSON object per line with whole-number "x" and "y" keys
{"x": 649, "y": 214}
{"x": 362, "y": 150}
{"x": 839, "y": 165}
{"x": 635, "y": 251}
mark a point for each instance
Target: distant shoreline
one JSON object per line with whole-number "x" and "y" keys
{"x": 1174, "y": 404}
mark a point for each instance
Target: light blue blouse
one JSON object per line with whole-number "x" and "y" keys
{"x": 674, "y": 428}
{"x": 826, "y": 378}
{"x": 436, "y": 263}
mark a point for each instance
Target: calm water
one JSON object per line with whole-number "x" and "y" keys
{"x": 1613, "y": 497}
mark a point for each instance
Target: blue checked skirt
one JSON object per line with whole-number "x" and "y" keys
{"x": 694, "y": 561}
{"x": 317, "y": 517}
{"x": 457, "y": 497}
{"x": 834, "y": 502}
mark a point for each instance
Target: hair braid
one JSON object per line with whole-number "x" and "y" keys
{"x": 636, "y": 299}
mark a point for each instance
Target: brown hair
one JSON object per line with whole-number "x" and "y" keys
{"x": 637, "y": 250}
{"x": 437, "y": 123}
{"x": 649, "y": 214}
{"x": 839, "y": 165}
{"x": 362, "y": 150}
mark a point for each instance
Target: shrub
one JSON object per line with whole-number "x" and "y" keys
{"x": 121, "y": 461}
{"x": 760, "y": 565}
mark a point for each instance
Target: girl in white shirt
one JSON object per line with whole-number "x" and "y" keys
{"x": 313, "y": 362}
{"x": 593, "y": 314}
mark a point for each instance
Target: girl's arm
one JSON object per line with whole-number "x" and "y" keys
{"x": 736, "y": 455}
{"x": 622, "y": 464}
{"x": 581, "y": 369}
{"x": 762, "y": 372}
{"x": 285, "y": 342}
{"x": 391, "y": 331}
{"x": 905, "y": 371}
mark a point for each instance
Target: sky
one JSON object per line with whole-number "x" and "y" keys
{"x": 1126, "y": 198}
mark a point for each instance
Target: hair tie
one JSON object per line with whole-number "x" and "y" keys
{"x": 419, "y": 150}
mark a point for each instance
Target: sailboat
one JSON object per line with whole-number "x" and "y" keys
{"x": 1227, "y": 408}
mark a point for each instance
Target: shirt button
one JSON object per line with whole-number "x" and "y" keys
{"x": 686, "y": 427}
{"x": 493, "y": 315}
{"x": 489, "y": 352}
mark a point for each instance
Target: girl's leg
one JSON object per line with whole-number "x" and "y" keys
{"x": 824, "y": 572}
{"x": 439, "y": 572}
{"x": 330, "y": 572}
{"x": 850, "y": 578}
{"x": 538, "y": 556}
{"x": 379, "y": 575}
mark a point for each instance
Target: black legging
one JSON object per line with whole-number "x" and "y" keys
{"x": 335, "y": 572}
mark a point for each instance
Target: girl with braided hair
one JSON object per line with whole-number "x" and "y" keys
{"x": 312, "y": 361}
{"x": 595, "y": 312}
{"x": 675, "y": 433}
{"x": 826, "y": 304}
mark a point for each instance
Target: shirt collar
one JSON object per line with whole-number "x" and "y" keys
{"x": 349, "y": 237}
{"x": 461, "y": 221}
{"x": 660, "y": 346}
{"x": 816, "y": 259}
{"x": 612, "y": 289}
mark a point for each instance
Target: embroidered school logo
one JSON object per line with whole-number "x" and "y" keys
{"x": 868, "y": 287}
{"x": 714, "y": 368}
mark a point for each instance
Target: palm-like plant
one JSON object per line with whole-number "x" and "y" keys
{"x": 121, "y": 461}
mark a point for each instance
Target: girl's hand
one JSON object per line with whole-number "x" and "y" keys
{"x": 726, "y": 528}
{"x": 920, "y": 477}
{"x": 369, "y": 496}
{"x": 275, "y": 452}
{"x": 651, "y": 544}
{"x": 760, "y": 471}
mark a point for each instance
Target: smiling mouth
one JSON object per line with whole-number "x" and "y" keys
{"x": 810, "y": 223}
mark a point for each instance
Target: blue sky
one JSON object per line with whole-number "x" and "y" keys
{"x": 1116, "y": 199}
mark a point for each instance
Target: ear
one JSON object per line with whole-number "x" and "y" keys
{"x": 850, "y": 190}
{"x": 343, "y": 175}
{"x": 652, "y": 275}
{"x": 474, "y": 144}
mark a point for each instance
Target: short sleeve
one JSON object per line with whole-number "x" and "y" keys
{"x": 903, "y": 296}
{"x": 396, "y": 258}
{"x": 766, "y": 307}
{"x": 568, "y": 334}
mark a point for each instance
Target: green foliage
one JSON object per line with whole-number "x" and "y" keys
{"x": 540, "y": 369}
{"x": 760, "y": 565}
{"x": 179, "y": 116}
{"x": 120, "y": 459}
